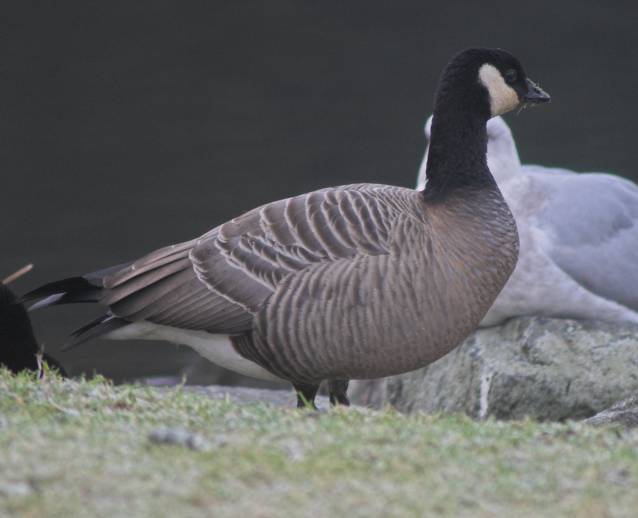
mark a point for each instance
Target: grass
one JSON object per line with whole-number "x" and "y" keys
{"x": 87, "y": 448}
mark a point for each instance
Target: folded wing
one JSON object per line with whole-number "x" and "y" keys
{"x": 217, "y": 282}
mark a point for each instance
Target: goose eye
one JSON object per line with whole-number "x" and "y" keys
{"x": 510, "y": 76}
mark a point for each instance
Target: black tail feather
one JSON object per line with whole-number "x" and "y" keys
{"x": 94, "y": 329}
{"x": 85, "y": 288}
{"x": 66, "y": 291}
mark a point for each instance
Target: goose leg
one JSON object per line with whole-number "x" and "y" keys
{"x": 338, "y": 390}
{"x": 306, "y": 395}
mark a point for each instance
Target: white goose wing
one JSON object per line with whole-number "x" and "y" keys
{"x": 593, "y": 219}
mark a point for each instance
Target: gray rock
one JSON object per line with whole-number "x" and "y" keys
{"x": 546, "y": 369}
{"x": 16, "y": 489}
{"x": 624, "y": 413}
{"x": 179, "y": 437}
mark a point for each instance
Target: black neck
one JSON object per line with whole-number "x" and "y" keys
{"x": 458, "y": 145}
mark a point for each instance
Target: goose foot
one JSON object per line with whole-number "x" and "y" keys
{"x": 306, "y": 395}
{"x": 338, "y": 390}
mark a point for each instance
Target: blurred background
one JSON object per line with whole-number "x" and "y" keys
{"x": 126, "y": 126}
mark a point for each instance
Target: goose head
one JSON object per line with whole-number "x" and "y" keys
{"x": 502, "y": 155}
{"x": 486, "y": 83}
{"x": 477, "y": 85}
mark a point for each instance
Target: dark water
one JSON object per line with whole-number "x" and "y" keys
{"x": 130, "y": 125}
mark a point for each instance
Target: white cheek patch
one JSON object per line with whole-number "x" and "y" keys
{"x": 503, "y": 98}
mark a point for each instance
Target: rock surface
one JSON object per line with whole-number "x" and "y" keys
{"x": 179, "y": 437}
{"x": 546, "y": 369}
{"x": 624, "y": 413}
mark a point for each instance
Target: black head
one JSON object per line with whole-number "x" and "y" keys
{"x": 487, "y": 82}
{"x": 18, "y": 345}
{"x": 476, "y": 85}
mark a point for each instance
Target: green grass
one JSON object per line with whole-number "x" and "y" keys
{"x": 83, "y": 448}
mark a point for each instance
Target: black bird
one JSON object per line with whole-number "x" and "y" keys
{"x": 19, "y": 348}
{"x": 350, "y": 282}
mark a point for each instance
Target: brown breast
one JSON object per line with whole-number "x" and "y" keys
{"x": 381, "y": 315}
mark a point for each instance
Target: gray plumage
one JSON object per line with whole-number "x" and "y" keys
{"x": 594, "y": 218}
